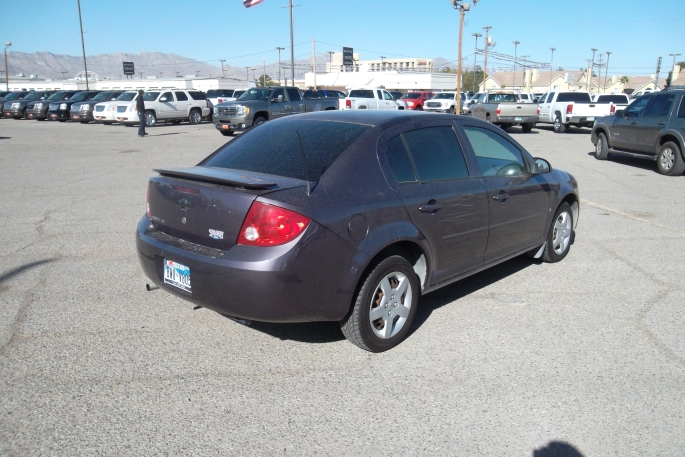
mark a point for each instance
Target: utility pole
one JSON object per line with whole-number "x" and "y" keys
{"x": 551, "y": 67}
{"x": 223, "y": 74}
{"x": 524, "y": 71}
{"x": 516, "y": 43}
{"x": 83, "y": 43}
{"x": 656, "y": 77}
{"x": 592, "y": 69}
{"x": 330, "y": 61}
{"x": 314, "y": 61}
{"x": 382, "y": 62}
{"x": 141, "y": 74}
{"x": 178, "y": 74}
{"x": 254, "y": 78}
{"x": 606, "y": 72}
{"x": 477, "y": 35}
{"x": 63, "y": 73}
{"x": 463, "y": 8}
{"x": 599, "y": 71}
{"x": 279, "y": 63}
{"x": 7, "y": 74}
{"x": 264, "y": 73}
{"x": 292, "y": 46}
{"x": 161, "y": 73}
{"x": 485, "y": 62}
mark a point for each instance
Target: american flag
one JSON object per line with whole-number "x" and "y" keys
{"x": 249, "y": 3}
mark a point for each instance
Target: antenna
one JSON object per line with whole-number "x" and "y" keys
{"x": 304, "y": 159}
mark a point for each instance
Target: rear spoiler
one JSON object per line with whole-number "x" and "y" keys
{"x": 216, "y": 176}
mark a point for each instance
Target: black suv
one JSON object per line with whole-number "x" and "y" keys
{"x": 61, "y": 111}
{"x": 651, "y": 127}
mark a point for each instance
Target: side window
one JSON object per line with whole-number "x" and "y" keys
{"x": 681, "y": 111}
{"x": 661, "y": 106}
{"x": 387, "y": 96}
{"x": 550, "y": 97}
{"x": 636, "y": 108}
{"x": 169, "y": 97}
{"x": 399, "y": 162}
{"x": 197, "y": 95}
{"x": 276, "y": 93}
{"x": 181, "y": 96}
{"x": 294, "y": 95}
{"x": 495, "y": 154}
{"x": 436, "y": 153}
{"x": 380, "y": 95}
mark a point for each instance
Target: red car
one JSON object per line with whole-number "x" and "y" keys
{"x": 415, "y": 100}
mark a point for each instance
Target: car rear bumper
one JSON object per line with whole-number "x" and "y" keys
{"x": 587, "y": 121}
{"x": 295, "y": 282}
{"x": 518, "y": 119}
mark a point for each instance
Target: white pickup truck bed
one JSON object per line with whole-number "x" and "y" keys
{"x": 368, "y": 99}
{"x": 570, "y": 108}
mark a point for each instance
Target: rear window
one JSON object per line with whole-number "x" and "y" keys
{"x": 580, "y": 97}
{"x": 361, "y": 94}
{"x": 197, "y": 95}
{"x": 273, "y": 148}
{"x": 612, "y": 99}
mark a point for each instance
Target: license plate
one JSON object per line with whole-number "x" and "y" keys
{"x": 54, "y": 116}
{"x": 75, "y": 117}
{"x": 30, "y": 115}
{"x": 225, "y": 126}
{"x": 121, "y": 119}
{"x": 99, "y": 118}
{"x": 176, "y": 275}
{"x": 518, "y": 118}
{"x": 590, "y": 118}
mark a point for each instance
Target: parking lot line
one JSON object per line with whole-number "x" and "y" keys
{"x": 630, "y": 216}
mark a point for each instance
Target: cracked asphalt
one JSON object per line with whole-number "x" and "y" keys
{"x": 586, "y": 355}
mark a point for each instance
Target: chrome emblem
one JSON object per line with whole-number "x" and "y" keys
{"x": 183, "y": 220}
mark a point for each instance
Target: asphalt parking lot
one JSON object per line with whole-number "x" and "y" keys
{"x": 526, "y": 359}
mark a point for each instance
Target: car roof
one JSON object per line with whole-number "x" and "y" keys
{"x": 369, "y": 117}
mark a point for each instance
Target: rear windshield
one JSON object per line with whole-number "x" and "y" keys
{"x": 411, "y": 96}
{"x": 361, "y": 94}
{"x": 313, "y": 94}
{"x": 127, "y": 96}
{"x": 273, "y": 148}
{"x": 502, "y": 98}
{"x": 150, "y": 96}
{"x": 197, "y": 95}
{"x": 612, "y": 99}
{"x": 581, "y": 97}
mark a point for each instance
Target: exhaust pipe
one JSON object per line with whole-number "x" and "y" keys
{"x": 151, "y": 287}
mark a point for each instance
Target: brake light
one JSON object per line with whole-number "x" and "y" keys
{"x": 538, "y": 110}
{"x": 348, "y": 103}
{"x": 147, "y": 202}
{"x": 612, "y": 109}
{"x": 268, "y": 225}
{"x": 569, "y": 109}
{"x": 498, "y": 110}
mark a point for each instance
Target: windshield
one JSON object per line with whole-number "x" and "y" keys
{"x": 126, "y": 96}
{"x": 150, "y": 96}
{"x": 276, "y": 149}
{"x": 255, "y": 94}
{"x": 411, "y": 96}
{"x": 101, "y": 96}
{"x": 32, "y": 96}
{"x": 446, "y": 96}
{"x": 612, "y": 99}
{"x": 79, "y": 96}
{"x": 13, "y": 96}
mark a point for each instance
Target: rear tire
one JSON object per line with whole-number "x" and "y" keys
{"x": 527, "y": 128}
{"x": 559, "y": 127}
{"x": 602, "y": 148}
{"x": 384, "y": 307}
{"x": 669, "y": 160}
{"x": 195, "y": 117}
{"x": 559, "y": 236}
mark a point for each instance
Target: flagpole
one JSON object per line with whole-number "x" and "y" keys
{"x": 292, "y": 48}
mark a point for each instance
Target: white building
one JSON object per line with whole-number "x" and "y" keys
{"x": 152, "y": 83}
{"x": 404, "y": 64}
{"x": 391, "y": 79}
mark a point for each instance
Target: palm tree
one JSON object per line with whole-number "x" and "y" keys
{"x": 624, "y": 80}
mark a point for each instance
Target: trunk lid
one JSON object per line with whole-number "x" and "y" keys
{"x": 206, "y": 205}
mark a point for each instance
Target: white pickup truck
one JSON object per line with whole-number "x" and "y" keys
{"x": 564, "y": 109}
{"x": 368, "y": 99}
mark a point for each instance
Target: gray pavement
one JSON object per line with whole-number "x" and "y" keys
{"x": 514, "y": 361}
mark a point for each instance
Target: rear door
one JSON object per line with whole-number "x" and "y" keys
{"x": 182, "y": 104}
{"x": 428, "y": 170}
{"x": 518, "y": 201}
{"x": 653, "y": 121}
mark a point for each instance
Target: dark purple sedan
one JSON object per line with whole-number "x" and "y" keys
{"x": 350, "y": 216}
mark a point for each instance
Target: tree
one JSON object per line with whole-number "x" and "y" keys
{"x": 269, "y": 81}
{"x": 468, "y": 79}
{"x": 624, "y": 80}
{"x": 560, "y": 69}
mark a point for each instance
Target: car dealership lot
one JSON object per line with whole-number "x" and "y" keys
{"x": 589, "y": 351}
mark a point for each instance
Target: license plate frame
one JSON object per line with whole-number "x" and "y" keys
{"x": 591, "y": 118}
{"x": 518, "y": 118}
{"x": 177, "y": 275}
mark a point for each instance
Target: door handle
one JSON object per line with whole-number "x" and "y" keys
{"x": 662, "y": 123}
{"x": 500, "y": 196}
{"x": 430, "y": 207}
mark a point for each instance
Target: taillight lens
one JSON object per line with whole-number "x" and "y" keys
{"x": 268, "y": 225}
{"x": 219, "y": 101}
{"x": 147, "y": 202}
{"x": 538, "y": 110}
{"x": 348, "y": 103}
{"x": 569, "y": 109}
{"x": 499, "y": 110}
{"x": 612, "y": 109}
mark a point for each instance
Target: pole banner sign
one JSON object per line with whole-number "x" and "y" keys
{"x": 348, "y": 60}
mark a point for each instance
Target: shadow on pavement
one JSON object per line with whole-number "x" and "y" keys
{"x": 570, "y": 130}
{"x": 4, "y": 277}
{"x": 624, "y": 159}
{"x": 306, "y": 332}
{"x": 557, "y": 449}
{"x": 5, "y": 137}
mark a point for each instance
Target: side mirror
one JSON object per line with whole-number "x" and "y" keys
{"x": 541, "y": 166}
{"x": 278, "y": 99}
{"x": 619, "y": 113}
{"x": 163, "y": 99}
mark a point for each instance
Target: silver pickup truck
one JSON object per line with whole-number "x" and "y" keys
{"x": 261, "y": 104}
{"x": 505, "y": 109}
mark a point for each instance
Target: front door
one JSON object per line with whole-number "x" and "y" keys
{"x": 518, "y": 201}
{"x": 449, "y": 207}
{"x": 278, "y": 104}
{"x": 546, "y": 108}
{"x": 624, "y": 130}
{"x": 388, "y": 101}
{"x": 653, "y": 121}
{"x": 166, "y": 106}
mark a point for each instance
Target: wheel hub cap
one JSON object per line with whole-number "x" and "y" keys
{"x": 390, "y": 305}
{"x": 667, "y": 159}
{"x": 561, "y": 236}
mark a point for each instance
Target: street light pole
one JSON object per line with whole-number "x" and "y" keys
{"x": 330, "y": 61}
{"x": 247, "y": 73}
{"x": 83, "y": 44}
{"x": 7, "y": 74}
{"x": 477, "y": 35}
{"x": 485, "y": 60}
{"x": 223, "y": 74}
{"x": 551, "y": 67}
{"x": 592, "y": 68}
{"x": 516, "y": 44}
{"x": 279, "y": 63}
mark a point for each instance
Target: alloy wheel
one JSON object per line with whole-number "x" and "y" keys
{"x": 562, "y": 233}
{"x": 667, "y": 159}
{"x": 390, "y": 305}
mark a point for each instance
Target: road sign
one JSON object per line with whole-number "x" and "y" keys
{"x": 128, "y": 68}
{"x": 348, "y": 60}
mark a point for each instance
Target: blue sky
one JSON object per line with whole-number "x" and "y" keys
{"x": 636, "y": 32}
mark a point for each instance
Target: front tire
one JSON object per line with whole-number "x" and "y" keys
{"x": 150, "y": 119}
{"x": 559, "y": 127}
{"x": 384, "y": 307}
{"x": 602, "y": 148}
{"x": 258, "y": 121}
{"x": 669, "y": 160}
{"x": 559, "y": 237}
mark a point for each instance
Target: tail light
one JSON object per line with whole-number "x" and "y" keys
{"x": 268, "y": 225}
{"x": 498, "y": 110}
{"x": 538, "y": 110}
{"x": 348, "y": 104}
{"x": 569, "y": 109}
{"x": 612, "y": 109}
{"x": 206, "y": 103}
{"x": 147, "y": 202}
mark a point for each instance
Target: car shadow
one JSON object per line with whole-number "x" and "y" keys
{"x": 625, "y": 159}
{"x": 5, "y": 137}
{"x": 570, "y": 130}
{"x": 557, "y": 449}
{"x": 305, "y": 332}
